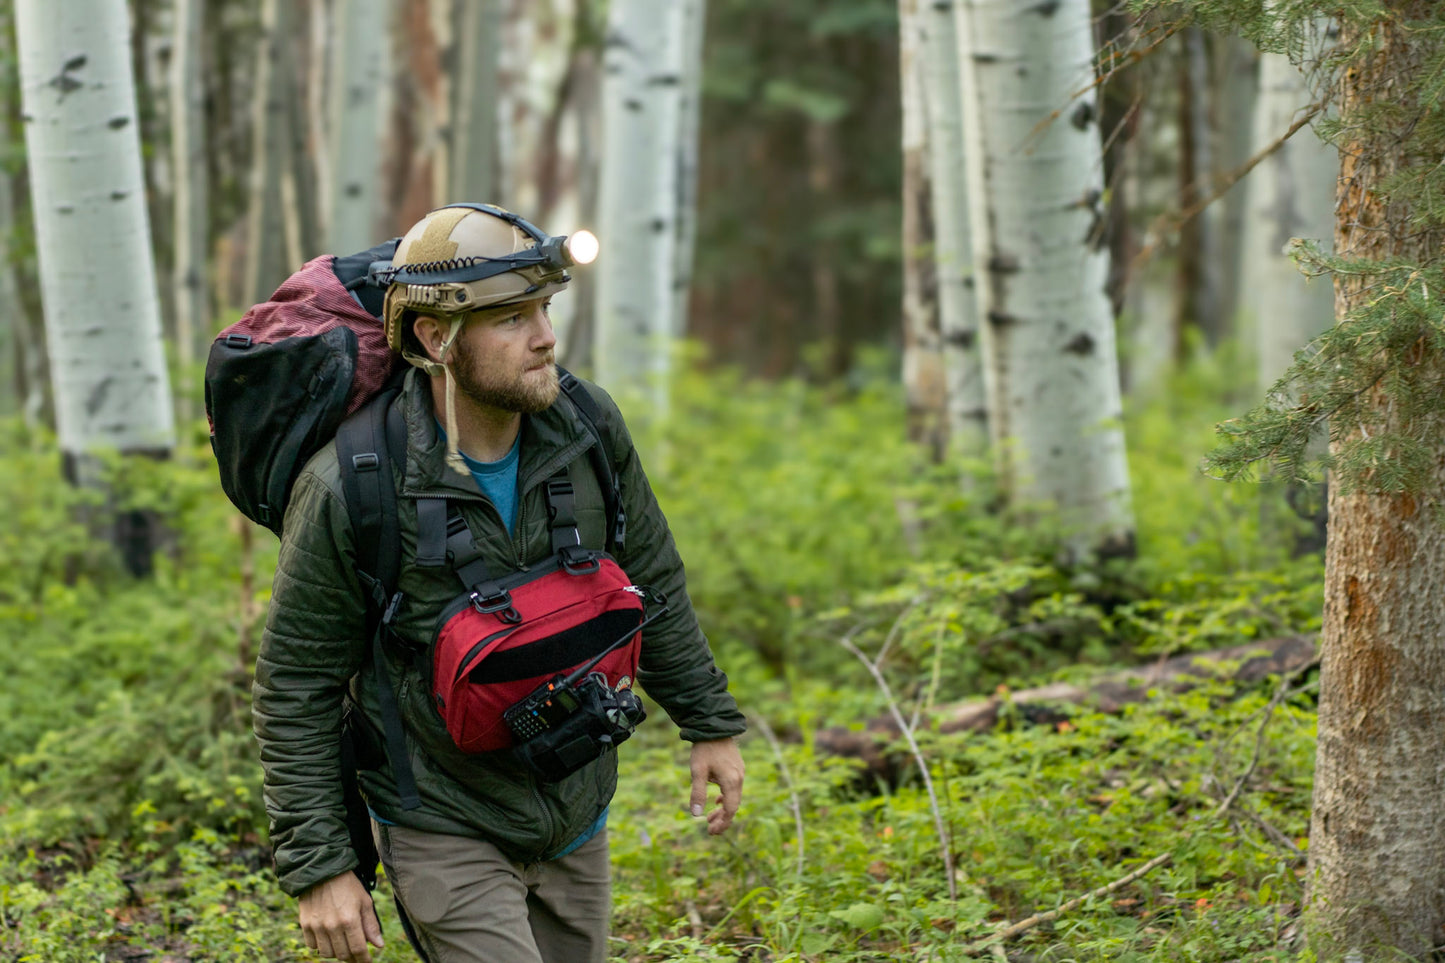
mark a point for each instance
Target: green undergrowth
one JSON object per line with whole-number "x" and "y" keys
{"x": 842, "y": 578}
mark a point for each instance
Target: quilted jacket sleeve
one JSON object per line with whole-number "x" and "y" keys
{"x": 677, "y": 666}
{"x": 312, "y": 645}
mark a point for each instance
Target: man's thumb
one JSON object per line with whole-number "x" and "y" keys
{"x": 699, "y": 793}
{"x": 371, "y": 926}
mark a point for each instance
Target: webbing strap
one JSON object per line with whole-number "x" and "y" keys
{"x": 562, "y": 512}
{"x": 601, "y": 458}
{"x": 368, "y": 446}
{"x": 431, "y": 532}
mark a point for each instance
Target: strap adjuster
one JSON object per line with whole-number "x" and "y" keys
{"x": 577, "y": 560}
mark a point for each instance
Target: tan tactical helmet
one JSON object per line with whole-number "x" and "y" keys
{"x": 464, "y": 257}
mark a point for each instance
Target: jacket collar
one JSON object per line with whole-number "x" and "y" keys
{"x": 551, "y": 439}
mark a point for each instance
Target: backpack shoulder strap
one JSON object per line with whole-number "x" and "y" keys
{"x": 369, "y": 445}
{"x": 601, "y": 455}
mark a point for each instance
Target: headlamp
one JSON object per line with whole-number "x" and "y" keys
{"x": 544, "y": 263}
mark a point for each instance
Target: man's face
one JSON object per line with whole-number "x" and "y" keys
{"x": 503, "y": 358}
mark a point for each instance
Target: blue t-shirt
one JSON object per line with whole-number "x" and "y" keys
{"x": 498, "y": 481}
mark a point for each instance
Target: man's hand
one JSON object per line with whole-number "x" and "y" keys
{"x": 718, "y": 762}
{"x": 338, "y": 919}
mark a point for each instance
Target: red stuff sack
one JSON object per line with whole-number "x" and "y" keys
{"x": 497, "y": 645}
{"x": 280, "y": 380}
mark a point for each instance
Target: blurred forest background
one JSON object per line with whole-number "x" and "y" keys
{"x": 924, "y": 314}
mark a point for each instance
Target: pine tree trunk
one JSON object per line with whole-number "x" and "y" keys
{"x": 1035, "y": 197}
{"x": 1377, "y": 840}
{"x": 188, "y": 147}
{"x": 923, "y": 374}
{"x": 1290, "y": 195}
{"x": 637, "y": 216}
{"x": 1235, "y": 93}
{"x": 359, "y": 71}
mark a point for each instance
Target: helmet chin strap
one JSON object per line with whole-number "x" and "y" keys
{"x": 442, "y": 367}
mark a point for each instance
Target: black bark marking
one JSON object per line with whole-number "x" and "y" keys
{"x": 965, "y": 339}
{"x": 96, "y": 399}
{"x": 1004, "y": 264}
{"x": 1046, "y": 9}
{"x": 1083, "y": 115}
{"x": 119, "y": 195}
{"x": 65, "y": 83}
{"x": 632, "y": 104}
{"x": 1001, "y": 318}
{"x": 1081, "y": 344}
{"x": 116, "y": 123}
{"x": 664, "y": 80}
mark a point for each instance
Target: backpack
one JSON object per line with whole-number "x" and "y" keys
{"x": 281, "y": 379}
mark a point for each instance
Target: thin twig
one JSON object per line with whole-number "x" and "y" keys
{"x": 794, "y": 803}
{"x": 897, "y": 714}
{"x": 1171, "y": 221}
{"x": 1022, "y": 926}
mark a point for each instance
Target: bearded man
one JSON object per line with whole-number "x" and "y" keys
{"x": 488, "y": 860}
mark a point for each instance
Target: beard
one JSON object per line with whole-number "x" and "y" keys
{"x": 488, "y": 384}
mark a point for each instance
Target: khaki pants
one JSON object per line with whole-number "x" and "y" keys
{"x": 468, "y": 903}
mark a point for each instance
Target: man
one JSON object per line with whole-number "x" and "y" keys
{"x": 492, "y": 864}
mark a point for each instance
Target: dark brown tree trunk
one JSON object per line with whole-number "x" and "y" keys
{"x": 1377, "y": 836}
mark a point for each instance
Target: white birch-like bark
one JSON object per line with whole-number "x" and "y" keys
{"x": 475, "y": 174}
{"x": 694, "y": 16}
{"x": 952, "y": 240}
{"x": 92, "y": 230}
{"x": 361, "y": 66}
{"x": 267, "y": 240}
{"x": 637, "y": 217}
{"x": 923, "y": 378}
{"x": 190, "y": 292}
{"x": 1036, "y": 190}
{"x": 1290, "y": 195}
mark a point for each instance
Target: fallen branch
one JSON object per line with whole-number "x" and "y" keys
{"x": 1050, "y": 704}
{"x": 1023, "y": 926}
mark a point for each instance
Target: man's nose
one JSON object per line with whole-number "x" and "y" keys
{"x": 544, "y": 337}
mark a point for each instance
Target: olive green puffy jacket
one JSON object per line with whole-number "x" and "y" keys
{"x": 315, "y": 646}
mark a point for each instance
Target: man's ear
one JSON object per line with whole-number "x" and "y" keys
{"x": 429, "y": 332}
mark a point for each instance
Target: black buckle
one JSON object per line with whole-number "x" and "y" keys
{"x": 577, "y": 560}
{"x": 498, "y": 603}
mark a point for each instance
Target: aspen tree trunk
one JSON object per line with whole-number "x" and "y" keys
{"x": 444, "y": 15}
{"x": 689, "y": 127}
{"x": 637, "y": 216}
{"x": 360, "y": 68}
{"x": 1290, "y": 195}
{"x": 475, "y": 171}
{"x": 266, "y": 234}
{"x": 952, "y": 238}
{"x": 188, "y": 151}
{"x": 1035, "y": 196}
{"x": 1377, "y": 840}
{"x": 923, "y": 374}
{"x": 92, "y": 233}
